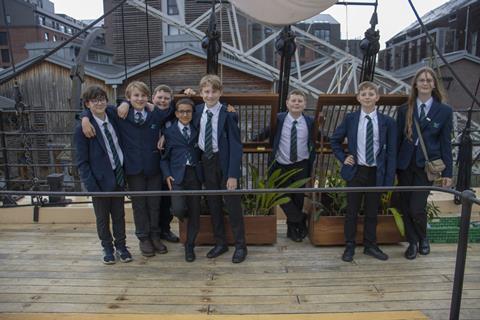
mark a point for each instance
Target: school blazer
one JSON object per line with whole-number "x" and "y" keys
{"x": 436, "y": 131}
{"x": 140, "y": 141}
{"x": 92, "y": 159}
{"x": 173, "y": 161}
{"x": 265, "y": 134}
{"x": 386, "y": 154}
{"x": 230, "y": 147}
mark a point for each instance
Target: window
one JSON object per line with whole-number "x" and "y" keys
{"x": 473, "y": 42}
{"x": 41, "y": 20}
{"x": 322, "y": 34}
{"x": 62, "y": 28}
{"x": 3, "y": 39}
{"x": 172, "y": 8}
{"x": 54, "y": 38}
{"x": 46, "y": 36}
{"x": 5, "y": 55}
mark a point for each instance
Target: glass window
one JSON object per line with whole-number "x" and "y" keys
{"x": 46, "y": 36}
{"x": 54, "y": 38}
{"x": 172, "y": 8}
{"x": 3, "y": 39}
{"x": 5, "y": 55}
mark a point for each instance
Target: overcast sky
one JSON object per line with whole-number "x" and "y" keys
{"x": 393, "y": 15}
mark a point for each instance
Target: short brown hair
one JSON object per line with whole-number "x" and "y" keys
{"x": 139, "y": 85}
{"x": 164, "y": 88}
{"x": 184, "y": 101}
{"x": 368, "y": 85}
{"x": 213, "y": 80}
{"x": 93, "y": 92}
{"x": 297, "y": 92}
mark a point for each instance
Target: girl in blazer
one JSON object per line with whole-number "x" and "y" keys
{"x": 426, "y": 106}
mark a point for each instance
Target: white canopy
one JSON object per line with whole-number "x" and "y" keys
{"x": 282, "y": 12}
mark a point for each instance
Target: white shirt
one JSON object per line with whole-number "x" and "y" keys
{"x": 203, "y": 123}
{"x": 362, "y": 136}
{"x": 428, "y": 106}
{"x": 283, "y": 153}
{"x": 143, "y": 112}
{"x": 180, "y": 127}
{"x": 100, "y": 123}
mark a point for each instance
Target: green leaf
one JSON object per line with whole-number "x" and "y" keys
{"x": 398, "y": 220}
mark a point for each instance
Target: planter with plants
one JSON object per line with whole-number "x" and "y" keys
{"x": 260, "y": 220}
{"x": 327, "y": 217}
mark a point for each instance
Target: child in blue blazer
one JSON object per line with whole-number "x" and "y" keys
{"x": 435, "y": 122}
{"x": 370, "y": 161}
{"x": 219, "y": 141}
{"x": 100, "y": 164}
{"x": 182, "y": 171}
{"x": 293, "y": 148}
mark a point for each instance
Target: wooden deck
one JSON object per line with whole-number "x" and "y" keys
{"x": 56, "y": 269}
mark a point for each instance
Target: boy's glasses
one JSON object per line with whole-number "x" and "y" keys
{"x": 98, "y": 101}
{"x": 186, "y": 112}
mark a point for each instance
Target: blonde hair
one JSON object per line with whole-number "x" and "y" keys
{"x": 140, "y": 86}
{"x": 213, "y": 80}
{"x": 368, "y": 85}
{"x": 437, "y": 95}
{"x": 164, "y": 88}
{"x": 297, "y": 92}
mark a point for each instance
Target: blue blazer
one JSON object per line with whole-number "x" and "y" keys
{"x": 139, "y": 142}
{"x": 92, "y": 159}
{"x": 436, "y": 131}
{"x": 276, "y": 139}
{"x": 386, "y": 154}
{"x": 230, "y": 146}
{"x": 173, "y": 161}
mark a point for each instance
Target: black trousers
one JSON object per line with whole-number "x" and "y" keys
{"x": 188, "y": 206}
{"x": 145, "y": 209}
{"x": 214, "y": 180}
{"x": 106, "y": 209}
{"x": 413, "y": 204}
{"x": 365, "y": 177}
{"x": 294, "y": 208}
{"x": 165, "y": 213}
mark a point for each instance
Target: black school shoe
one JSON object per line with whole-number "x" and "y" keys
{"x": 124, "y": 255}
{"x": 375, "y": 252}
{"x": 169, "y": 236}
{"x": 349, "y": 252}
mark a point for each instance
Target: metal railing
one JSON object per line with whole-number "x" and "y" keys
{"x": 467, "y": 198}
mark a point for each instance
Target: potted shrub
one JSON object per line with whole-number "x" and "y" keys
{"x": 327, "y": 217}
{"x": 259, "y": 218}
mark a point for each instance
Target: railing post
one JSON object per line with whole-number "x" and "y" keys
{"x": 467, "y": 197}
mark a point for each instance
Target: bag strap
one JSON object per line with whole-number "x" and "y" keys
{"x": 420, "y": 138}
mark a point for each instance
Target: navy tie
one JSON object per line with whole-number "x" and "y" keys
{"x": 422, "y": 111}
{"x": 119, "y": 177}
{"x": 138, "y": 117}
{"x": 369, "y": 156}
{"x": 293, "y": 142}
{"x": 208, "y": 136}
{"x": 188, "y": 156}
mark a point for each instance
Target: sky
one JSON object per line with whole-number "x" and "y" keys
{"x": 393, "y": 15}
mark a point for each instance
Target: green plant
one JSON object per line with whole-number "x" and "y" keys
{"x": 432, "y": 210}
{"x": 262, "y": 203}
{"x": 386, "y": 202}
{"x": 332, "y": 203}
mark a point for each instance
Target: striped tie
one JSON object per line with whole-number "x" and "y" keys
{"x": 369, "y": 142}
{"x": 293, "y": 142}
{"x": 208, "y": 136}
{"x": 188, "y": 156}
{"x": 422, "y": 111}
{"x": 119, "y": 177}
{"x": 138, "y": 118}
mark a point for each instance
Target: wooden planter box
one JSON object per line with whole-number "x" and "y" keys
{"x": 327, "y": 231}
{"x": 258, "y": 230}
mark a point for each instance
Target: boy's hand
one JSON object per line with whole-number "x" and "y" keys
{"x": 87, "y": 128}
{"x": 170, "y": 182}
{"x": 231, "y": 108}
{"x": 232, "y": 183}
{"x": 150, "y": 106}
{"x": 161, "y": 143}
{"x": 122, "y": 110}
{"x": 349, "y": 161}
{"x": 446, "y": 182}
{"x": 189, "y": 92}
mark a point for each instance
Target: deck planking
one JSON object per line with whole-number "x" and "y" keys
{"x": 56, "y": 269}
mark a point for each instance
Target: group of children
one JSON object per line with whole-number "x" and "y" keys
{"x": 203, "y": 147}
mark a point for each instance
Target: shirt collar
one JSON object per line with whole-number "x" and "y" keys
{"x": 291, "y": 119}
{"x": 99, "y": 121}
{"x": 214, "y": 109}
{"x": 372, "y": 115}
{"x": 427, "y": 103}
{"x": 181, "y": 126}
